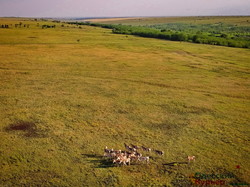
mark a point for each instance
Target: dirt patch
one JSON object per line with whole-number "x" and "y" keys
{"x": 28, "y": 129}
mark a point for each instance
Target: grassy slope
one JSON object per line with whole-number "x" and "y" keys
{"x": 238, "y": 20}
{"x": 185, "y": 99}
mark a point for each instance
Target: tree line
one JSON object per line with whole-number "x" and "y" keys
{"x": 20, "y": 25}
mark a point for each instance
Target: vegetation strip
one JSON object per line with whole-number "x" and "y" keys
{"x": 239, "y": 37}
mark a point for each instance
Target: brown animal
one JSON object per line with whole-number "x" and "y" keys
{"x": 106, "y": 150}
{"x": 122, "y": 160}
{"x": 146, "y": 149}
{"x": 128, "y": 147}
{"x": 135, "y": 146}
{"x": 159, "y": 152}
{"x": 191, "y": 158}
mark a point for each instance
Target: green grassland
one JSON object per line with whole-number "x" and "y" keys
{"x": 67, "y": 92}
{"x": 141, "y": 21}
{"x": 222, "y": 31}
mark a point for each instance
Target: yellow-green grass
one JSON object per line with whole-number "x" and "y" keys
{"x": 63, "y": 101}
{"x": 235, "y": 20}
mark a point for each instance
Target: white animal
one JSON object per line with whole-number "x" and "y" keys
{"x": 144, "y": 159}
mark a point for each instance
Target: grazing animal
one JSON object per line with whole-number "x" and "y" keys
{"x": 128, "y": 147}
{"x": 106, "y": 150}
{"x": 190, "y": 158}
{"x": 126, "y": 153}
{"x": 113, "y": 155}
{"x": 138, "y": 154}
{"x": 135, "y": 156}
{"x": 144, "y": 159}
{"x": 135, "y": 146}
{"x": 125, "y": 160}
{"x": 122, "y": 160}
{"x": 159, "y": 152}
{"x": 118, "y": 151}
{"x": 133, "y": 149}
{"x": 116, "y": 160}
{"x": 146, "y": 149}
{"x": 110, "y": 155}
{"x": 132, "y": 155}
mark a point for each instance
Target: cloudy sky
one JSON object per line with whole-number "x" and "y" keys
{"x": 120, "y": 8}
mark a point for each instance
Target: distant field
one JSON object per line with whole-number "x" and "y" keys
{"x": 239, "y": 20}
{"x": 222, "y": 31}
{"x": 69, "y": 91}
{"x": 109, "y": 19}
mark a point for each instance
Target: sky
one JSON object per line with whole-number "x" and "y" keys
{"x": 121, "y": 8}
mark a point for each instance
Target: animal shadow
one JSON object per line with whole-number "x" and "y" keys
{"x": 99, "y": 161}
{"x": 175, "y": 163}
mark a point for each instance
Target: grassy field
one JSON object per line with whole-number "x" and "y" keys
{"x": 228, "y": 31}
{"x": 67, "y": 92}
{"x": 239, "y": 20}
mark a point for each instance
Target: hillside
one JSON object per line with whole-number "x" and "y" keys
{"x": 230, "y": 31}
{"x": 136, "y": 21}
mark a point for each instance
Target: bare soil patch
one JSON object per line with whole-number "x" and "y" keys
{"x": 29, "y": 129}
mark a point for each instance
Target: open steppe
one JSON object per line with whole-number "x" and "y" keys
{"x": 69, "y": 91}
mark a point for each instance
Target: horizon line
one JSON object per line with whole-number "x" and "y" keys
{"x": 93, "y": 17}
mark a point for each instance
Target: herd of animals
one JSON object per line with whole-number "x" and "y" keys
{"x": 132, "y": 154}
